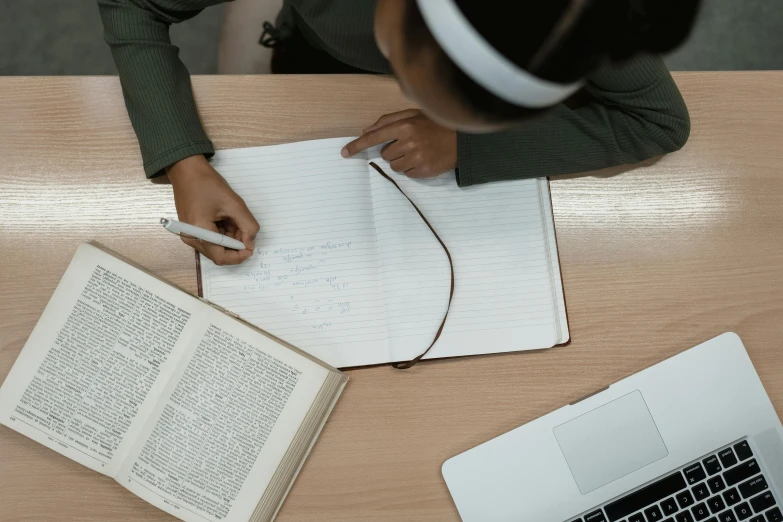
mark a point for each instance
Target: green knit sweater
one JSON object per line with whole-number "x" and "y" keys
{"x": 636, "y": 113}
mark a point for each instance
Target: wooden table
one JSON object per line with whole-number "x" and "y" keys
{"x": 654, "y": 261}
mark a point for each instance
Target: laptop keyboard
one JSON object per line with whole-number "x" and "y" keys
{"x": 725, "y": 486}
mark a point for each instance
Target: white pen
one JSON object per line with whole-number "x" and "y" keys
{"x": 177, "y": 227}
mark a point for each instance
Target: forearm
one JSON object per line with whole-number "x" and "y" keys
{"x": 635, "y": 113}
{"x": 155, "y": 83}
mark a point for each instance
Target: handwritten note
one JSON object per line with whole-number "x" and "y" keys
{"x": 283, "y": 274}
{"x": 314, "y": 280}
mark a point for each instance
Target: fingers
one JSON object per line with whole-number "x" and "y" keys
{"x": 224, "y": 256}
{"x": 217, "y": 254}
{"x": 394, "y": 131}
{"x": 246, "y": 224}
{"x": 391, "y": 118}
{"x": 396, "y": 150}
{"x": 403, "y": 164}
{"x": 229, "y": 228}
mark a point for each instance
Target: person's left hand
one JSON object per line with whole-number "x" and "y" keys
{"x": 419, "y": 147}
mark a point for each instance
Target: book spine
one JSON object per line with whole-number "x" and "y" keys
{"x": 221, "y": 309}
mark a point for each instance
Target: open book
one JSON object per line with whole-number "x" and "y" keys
{"x": 347, "y": 270}
{"x": 196, "y": 412}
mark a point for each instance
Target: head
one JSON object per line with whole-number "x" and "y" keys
{"x": 558, "y": 41}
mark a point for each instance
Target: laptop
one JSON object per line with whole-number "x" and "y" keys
{"x": 694, "y": 438}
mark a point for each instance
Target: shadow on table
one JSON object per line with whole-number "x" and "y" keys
{"x": 161, "y": 180}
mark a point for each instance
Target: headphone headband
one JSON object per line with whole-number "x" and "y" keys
{"x": 484, "y": 64}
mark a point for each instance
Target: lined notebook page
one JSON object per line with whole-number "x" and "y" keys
{"x": 314, "y": 279}
{"x": 506, "y": 296}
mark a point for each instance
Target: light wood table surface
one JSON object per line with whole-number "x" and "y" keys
{"x": 655, "y": 260}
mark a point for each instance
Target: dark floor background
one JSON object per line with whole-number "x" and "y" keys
{"x": 51, "y": 37}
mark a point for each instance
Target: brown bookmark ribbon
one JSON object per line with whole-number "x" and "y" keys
{"x": 404, "y": 365}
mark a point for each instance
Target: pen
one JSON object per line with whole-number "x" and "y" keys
{"x": 177, "y": 227}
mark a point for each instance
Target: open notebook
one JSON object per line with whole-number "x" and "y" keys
{"x": 346, "y": 269}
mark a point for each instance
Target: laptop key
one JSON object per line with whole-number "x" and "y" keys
{"x": 753, "y": 486}
{"x": 684, "y": 499}
{"x": 595, "y": 516}
{"x": 716, "y": 504}
{"x": 757, "y": 518}
{"x": 636, "y": 518}
{"x": 645, "y": 497}
{"x": 700, "y": 511}
{"x": 731, "y": 496}
{"x": 694, "y": 473}
{"x": 712, "y": 465}
{"x": 716, "y": 484}
{"x": 743, "y": 511}
{"x": 700, "y": 491}
{"x": 762, "y": 502}
{"x": 774, "y": 515}
{"x": 727, "y": 458}
{"x": 669, "y": 506}
{"x": 727, "y": 516}
{"x": 684, "y": 516}
{"x": 743, "y": 451}
{"x": 653, "y": 514}
{"x": 743, "y": 471}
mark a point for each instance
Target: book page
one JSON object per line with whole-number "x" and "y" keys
{"x": 223, "y": 425}
{"x": 100, "y": 355}
{"x": 504, "y": 298}
{"x": 314, "y": 278}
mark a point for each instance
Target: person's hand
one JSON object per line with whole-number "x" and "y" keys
{"x": 203, "y": 198}
{"x": 419, "y": 147}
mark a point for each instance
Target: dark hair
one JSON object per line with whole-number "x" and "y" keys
{"x": 557, "y": 40}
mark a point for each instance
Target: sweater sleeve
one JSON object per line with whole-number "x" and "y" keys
{"x": 635, "y": 112}
{"x": 155, "y": 82}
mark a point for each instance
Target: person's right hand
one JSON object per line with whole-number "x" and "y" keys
{"x": 204, "y": 199}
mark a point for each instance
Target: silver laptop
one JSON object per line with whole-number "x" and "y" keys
{"x": 694, "y": 438}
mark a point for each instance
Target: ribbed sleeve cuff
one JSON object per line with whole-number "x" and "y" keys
{"x": 484, "y": 158}
{"x": 155, "y": 167}
{"x": 464, "y": 160}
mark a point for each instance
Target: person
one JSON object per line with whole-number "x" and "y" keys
{"x": 507, "y": 89}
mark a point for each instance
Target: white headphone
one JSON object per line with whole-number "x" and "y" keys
{"x": 484, "y": 64}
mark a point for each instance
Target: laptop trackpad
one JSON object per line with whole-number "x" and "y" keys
{"x": 610, "y": 442}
